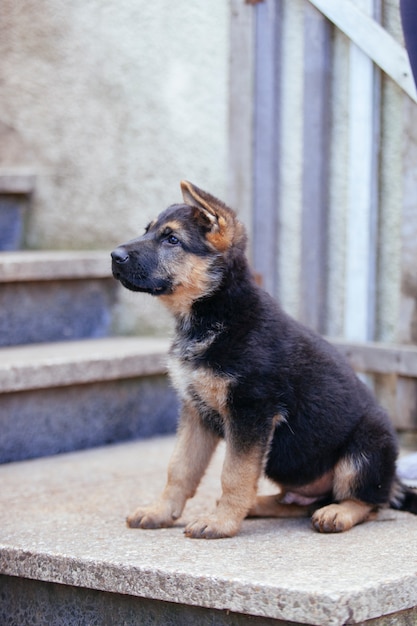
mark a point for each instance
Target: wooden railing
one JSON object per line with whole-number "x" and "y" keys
{"x": 323, "y": 147}
{"x": 372, "y": 39}
{"x": 386, "y": 364}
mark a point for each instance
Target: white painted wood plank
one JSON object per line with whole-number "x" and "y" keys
{"x": 337, "y": 184}
{"x": 372, "y": 39}
{"x": 360, "y": 248}
{"x": 241, "y": 109}
{"x": 266, "y": 144}
{"x": 316, "y": 114}
{"x": 407, "y": 331}
{"x": 290, "y": 191}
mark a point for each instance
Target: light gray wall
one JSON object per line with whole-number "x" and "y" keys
{"x": 111, "y": 104}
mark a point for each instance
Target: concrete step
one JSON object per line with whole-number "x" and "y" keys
{"x": 67, "y": 557}
{"x": 54, "y": 296}
{"x": 73, "y": 395}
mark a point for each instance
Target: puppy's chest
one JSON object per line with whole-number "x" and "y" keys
{"x": 200, "y": 385}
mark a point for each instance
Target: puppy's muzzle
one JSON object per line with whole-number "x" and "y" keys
{"x": 136, "y": 272}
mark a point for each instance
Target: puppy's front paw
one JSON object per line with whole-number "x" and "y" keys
{"x": 159, "y": 515}
{"x": 211, "y": 527}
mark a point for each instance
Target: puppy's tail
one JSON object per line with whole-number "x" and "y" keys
{"x": 404, "y": 498}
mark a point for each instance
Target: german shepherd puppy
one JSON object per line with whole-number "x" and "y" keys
{"x": 285, "y": 401}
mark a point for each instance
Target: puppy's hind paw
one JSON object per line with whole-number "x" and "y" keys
{"x": 337, "y": 518}
{"x": 329, "y": 520}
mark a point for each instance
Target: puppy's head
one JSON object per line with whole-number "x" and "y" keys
{"x": 182, "y": 255}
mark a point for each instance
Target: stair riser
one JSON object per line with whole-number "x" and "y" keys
{"x": 61, "y": 605}
{"x": 11, "y": 222}
{"x": 37, "y": 312}
{"x": 50, "y": 421}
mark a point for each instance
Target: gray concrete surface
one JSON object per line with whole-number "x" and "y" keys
{"x": 62, "y": 521}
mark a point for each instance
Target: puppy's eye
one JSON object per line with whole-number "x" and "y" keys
{"x": 173, "y": 240}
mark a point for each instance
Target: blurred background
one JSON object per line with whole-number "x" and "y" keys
{"x": 300, "y": 114}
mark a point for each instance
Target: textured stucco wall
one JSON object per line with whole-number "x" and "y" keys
{"x": 111, "y": 104}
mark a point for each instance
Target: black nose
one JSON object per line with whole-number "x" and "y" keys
{"x": 120, "y": 255}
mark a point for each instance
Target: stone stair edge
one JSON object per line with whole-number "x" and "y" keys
{"x": 38, "y": 366}
{"x": 42, "y": 265}
{"x": 278, "y": 569}
{"x": 17, "y": 181}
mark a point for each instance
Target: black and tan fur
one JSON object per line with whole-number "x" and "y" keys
{"x": 285, "y": 401}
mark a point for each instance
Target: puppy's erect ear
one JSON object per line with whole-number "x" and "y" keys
{"x": 225, "y": 229}
{"x": 194, "y": 196}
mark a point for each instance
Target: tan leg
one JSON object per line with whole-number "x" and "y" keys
{"x": 193, "y": 450}
{"x": 270, "y": 506}
{"x": 336, "y": 518}
{"x": 240, "y": 477}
